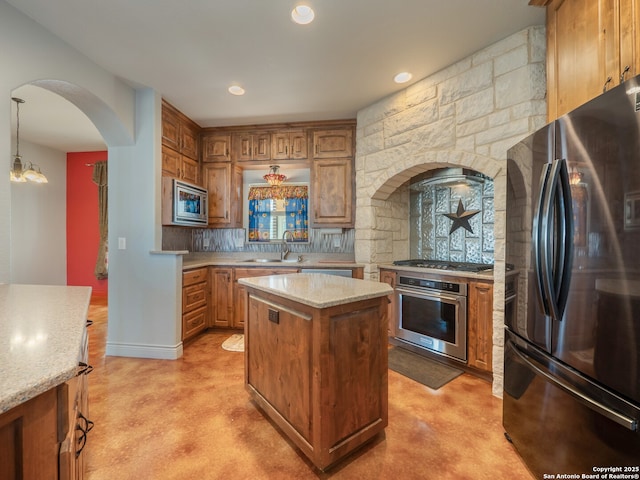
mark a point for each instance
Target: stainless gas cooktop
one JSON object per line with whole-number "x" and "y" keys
{"x": 444, "y": 265}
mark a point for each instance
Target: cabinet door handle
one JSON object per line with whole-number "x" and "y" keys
{"x": 85, "y": 369}
{"x": 316, "y": 148}
{"x": 626, "y": 69}
{"x": 89, "y": 322}
{"x": 88, "y": 426}
{"x": 88, "y": 423}
{"x": 604, "y": 87}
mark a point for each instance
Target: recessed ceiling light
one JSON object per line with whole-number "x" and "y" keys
{"x": 236, "y": 90}
{"x": 302, "y": 14}
{"x": 403, "y": 77}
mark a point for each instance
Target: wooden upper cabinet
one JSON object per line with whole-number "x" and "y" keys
{"x": 216, "y": 178}
{"x": 223, "y": 182}
{"x": 216, "y": 148}
{"x": 171, "y": 163}
{"x": 180, "y": 166}
{"x": 190, "y": 170}
{"x": 332, "y": 193}
{"x": 189, "y": 141}
{"x": 336, "y": 143}
{"x": 251, "y": 146}
{"x": 629, "y": 38}
{"x": 170, "y": 127}
{"x": 592, "y": 46}
{"x": 289, "y": 145}
{"x": 179, "y": 132}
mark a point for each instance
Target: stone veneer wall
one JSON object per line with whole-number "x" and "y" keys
{"x": 466, "y": 115}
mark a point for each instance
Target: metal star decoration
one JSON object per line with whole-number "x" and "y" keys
{"x": 461, "y": 218}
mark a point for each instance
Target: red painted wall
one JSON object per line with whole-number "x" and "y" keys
{"x": 82, "y": 221}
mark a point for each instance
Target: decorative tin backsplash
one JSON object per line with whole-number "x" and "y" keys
{"x": 232, "y": 240}
{"x": 430, "y": 229}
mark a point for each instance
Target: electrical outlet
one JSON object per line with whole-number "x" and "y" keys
{"x": 336, "y": 241}
{"x": 205, "y": 243}
{"x": 122, "y": 243}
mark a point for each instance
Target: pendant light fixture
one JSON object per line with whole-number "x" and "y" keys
{"x": 20, "y": 174}
{"x": 274, "y": 178}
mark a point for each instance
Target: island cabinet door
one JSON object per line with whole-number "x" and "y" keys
{"x": 279, "y": 361}
{"x": 353, "y": 361}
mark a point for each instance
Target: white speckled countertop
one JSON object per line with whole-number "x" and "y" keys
{"x": 247, "y": 259}
{"x": 41, "y": 332}
{"x": 318, "y": 290}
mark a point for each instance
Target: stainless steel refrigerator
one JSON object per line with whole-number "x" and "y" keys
{"x": 571, "y": 401}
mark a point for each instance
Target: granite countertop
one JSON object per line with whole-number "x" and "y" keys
{"x": 318, "y": 290}
{"x": 41, "y": 334}
{"x": 247, "y": 259}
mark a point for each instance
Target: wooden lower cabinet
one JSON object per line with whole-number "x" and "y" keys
{"x": 195, "y": 301}
{"x": 221, "y": 307}
{"x": 389, "y": 277}
{"x": 320, "y": 374}
{"x": 480, "y": 325}
{"x": 213, "y": 298}
{"x": 29, "y": 439}
{"x": 239, "y": 292}
{"x": 45, "y": 438}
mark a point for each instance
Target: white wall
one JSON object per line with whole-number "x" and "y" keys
{"x": 143, "y": 288}
{"x": 38, "y": 220}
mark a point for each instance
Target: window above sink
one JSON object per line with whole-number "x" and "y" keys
{"x": 270, "y": 211}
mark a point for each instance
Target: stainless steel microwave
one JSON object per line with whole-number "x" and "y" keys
{"x": 183, "y": 203}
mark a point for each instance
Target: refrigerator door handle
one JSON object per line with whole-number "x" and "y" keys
{"x": 565, "y": 253}
{"x": 620, "y": 419}
{"x": 556, "y": 239}
{"x": 539, "y": 239}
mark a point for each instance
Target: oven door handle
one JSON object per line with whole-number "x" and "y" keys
{"x": 429, "y": 294}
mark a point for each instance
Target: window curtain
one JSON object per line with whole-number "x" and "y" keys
{"x": 297, "y": 218}
{"x": 260, "y": 204}
{"x": 259, "y": 220}
{"x": 100, "y": 179}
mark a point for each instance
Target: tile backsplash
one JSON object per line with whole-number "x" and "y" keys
{"x": 232, "y": 240}
{"x": 429, "y": 228}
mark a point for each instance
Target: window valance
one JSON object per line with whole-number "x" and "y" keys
{"x": 279, "y": 193}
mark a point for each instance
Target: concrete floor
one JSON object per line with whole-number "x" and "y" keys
{"x": 191, "y": 419}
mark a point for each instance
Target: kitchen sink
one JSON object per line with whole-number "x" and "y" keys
{"x": 296, "y": 259}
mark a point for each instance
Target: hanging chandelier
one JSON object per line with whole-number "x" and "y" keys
{"x": 18, "y": 173}
{"x": 274, "y": 178}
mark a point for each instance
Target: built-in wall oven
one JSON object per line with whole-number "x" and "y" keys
{"x": 432, "y": 314}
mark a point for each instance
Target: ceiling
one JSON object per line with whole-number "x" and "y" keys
{"x": 192, "y": 51}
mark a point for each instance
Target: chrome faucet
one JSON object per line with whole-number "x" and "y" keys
{"x": 285, "y": 246}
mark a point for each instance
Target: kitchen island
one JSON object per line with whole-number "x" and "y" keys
{"x": 42, "y": 340}
{"x": 316, "y": 359}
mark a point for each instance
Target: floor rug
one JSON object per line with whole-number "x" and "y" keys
{"x": 235, "y": 343}
{"x": 421, "y": 369}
